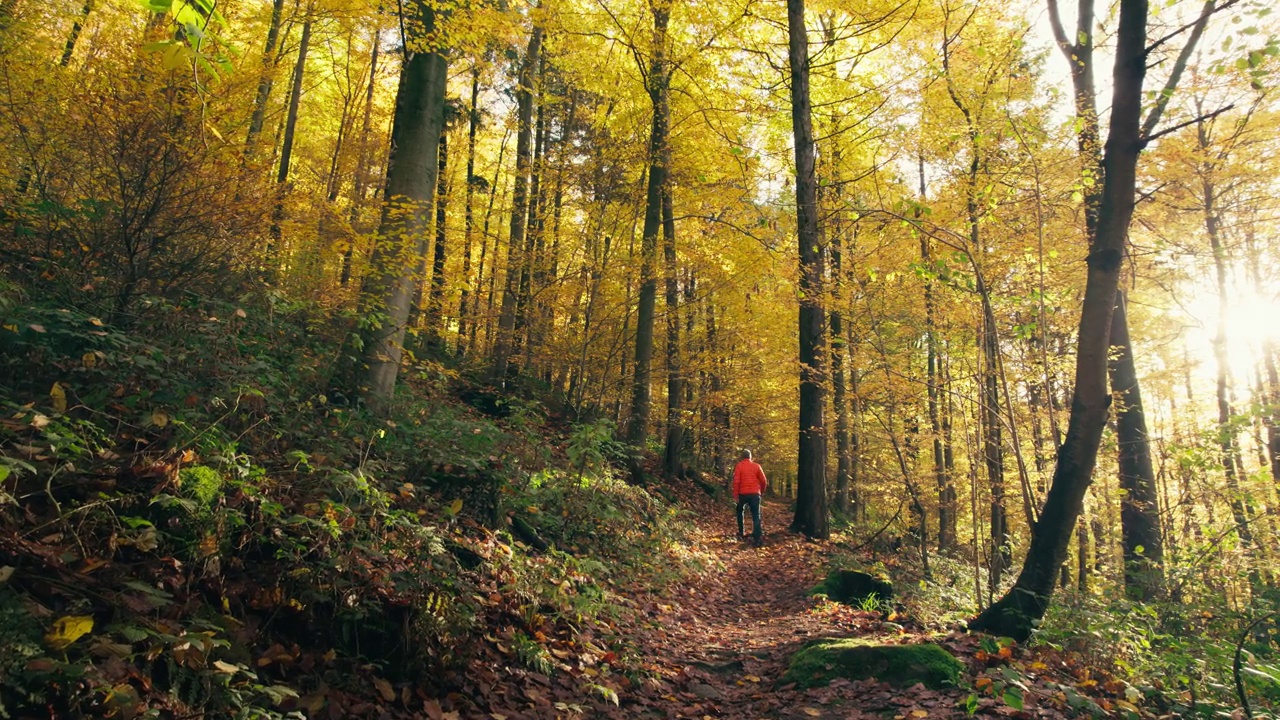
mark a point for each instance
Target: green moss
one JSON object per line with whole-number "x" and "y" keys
{"x": 853, "y": 587}
{"x": 821, "y": 661}
{"x": 202, "y": 484}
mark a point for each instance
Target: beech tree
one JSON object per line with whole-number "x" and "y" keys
{"x": 811, "y": 517}
{"x": 1017, "y": 612}
{"x": 405, "y": 229}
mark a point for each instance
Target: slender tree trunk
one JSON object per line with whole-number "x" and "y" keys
{"x": 361, "y": 181}
{"x": 405, "y": 226}
{"x": 1134, "y": 447}
{"x": 484, "y": 244}
{"x": 941, "y": 474}
{"x": 69, "y": 49}
{"x": 1228, "y": 444}
{"x": 811, "y": 517}
{"x": 468, "y": 216}
{"x": 1139, "y": 504}
{"x": 856, "y": 500}
{"x": 1015, "y": 613}
{"x": 286, "y": 148}
{"x": 435, "y": 299}
{"x": 659, "y": 158}
{"x": 675, "y": 380}
{"x": 525, "y": 336}
{"x": 503, "y": 343}
{"x": 839, "y": 389}
{"x": 267, "y": 78}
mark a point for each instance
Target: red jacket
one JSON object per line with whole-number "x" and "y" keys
{"x": 748, "y": 479}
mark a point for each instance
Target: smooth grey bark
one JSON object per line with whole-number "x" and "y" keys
{"x": 403, "y": 231}
{"x": 811, "y": 516}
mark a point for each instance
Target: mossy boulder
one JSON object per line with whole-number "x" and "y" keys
{"x": 821, "y": 661}
{"x": 853, "y": 587}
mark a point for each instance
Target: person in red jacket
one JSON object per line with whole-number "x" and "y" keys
{"x": 749, "y": 484}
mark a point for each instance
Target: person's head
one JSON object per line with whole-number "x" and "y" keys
{"x": 745, "y": 454}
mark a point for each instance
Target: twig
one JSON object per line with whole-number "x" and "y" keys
{"x": 1236, "y": 661}
{"x": 1192, "y": 121}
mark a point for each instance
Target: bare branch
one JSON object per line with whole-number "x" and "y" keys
{"x": 1192, "y": 121}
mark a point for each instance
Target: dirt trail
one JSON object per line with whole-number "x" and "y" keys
{"x": 720, "y": 647}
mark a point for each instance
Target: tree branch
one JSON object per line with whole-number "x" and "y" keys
{"x": 1192, "y": 121}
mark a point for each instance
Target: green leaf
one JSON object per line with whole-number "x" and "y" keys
{"x": 971, "y": 704}
{"x": 1013, "y": 697}
{"x": 157, "y": 6}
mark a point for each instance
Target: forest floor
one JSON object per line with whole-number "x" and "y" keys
{"x": 718, "y": 646}
{"x": 722, "y": 645}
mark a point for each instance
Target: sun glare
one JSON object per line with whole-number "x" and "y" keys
{"x": 1251, "y": 320}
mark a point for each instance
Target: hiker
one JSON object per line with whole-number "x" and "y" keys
{"x": 748, "y": 484}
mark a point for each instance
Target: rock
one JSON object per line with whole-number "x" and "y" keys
{"x": 705, "y": 691}
{"x": 824, "y": 660}
{"x": 853, "y": 587}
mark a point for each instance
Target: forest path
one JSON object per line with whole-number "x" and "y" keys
{"x": 721, "y": 643}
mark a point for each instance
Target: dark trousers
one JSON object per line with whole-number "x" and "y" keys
{"x": 753, "y": 502}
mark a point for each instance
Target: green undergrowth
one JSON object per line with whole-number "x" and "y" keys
{"x": 195, "y": 519}
{"x": 1182, "y": 653}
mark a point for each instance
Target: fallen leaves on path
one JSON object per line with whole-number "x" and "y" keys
{"x": 718, "y": 647}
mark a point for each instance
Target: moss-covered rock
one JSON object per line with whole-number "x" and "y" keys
{"x": 853, "y": 587}
{"x": 821, "y": 661}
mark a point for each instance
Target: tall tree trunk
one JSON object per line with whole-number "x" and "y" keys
{"x": 1139, "y": 504}
{"x": 675, "y": 380}
{"x": 1026, "y": 602}
{"x": 839, "y": 389}
{"x": 503, "y": 343}
{"x": 267, "y": 77}
{"x": 468, "y": 215}
{"x": 361, "y": 180}
{"x": 811, "y": 517}
{"x": 1228, "y": 445}
{"x": 659, "y": 158}
{"x": 484, "y": 244}
{"x": 856, "y": 500}
{"x": 525, "y": 337}
{"x": 435, "y": 299}
{"x": 941, "y": 474}
{"x": 69, "y": 49}
{"x": 1132, "y": 441}
{"x": 988, "y": 341}
{"x": 404, "y": 230}
{"x": 286, "y": 148}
